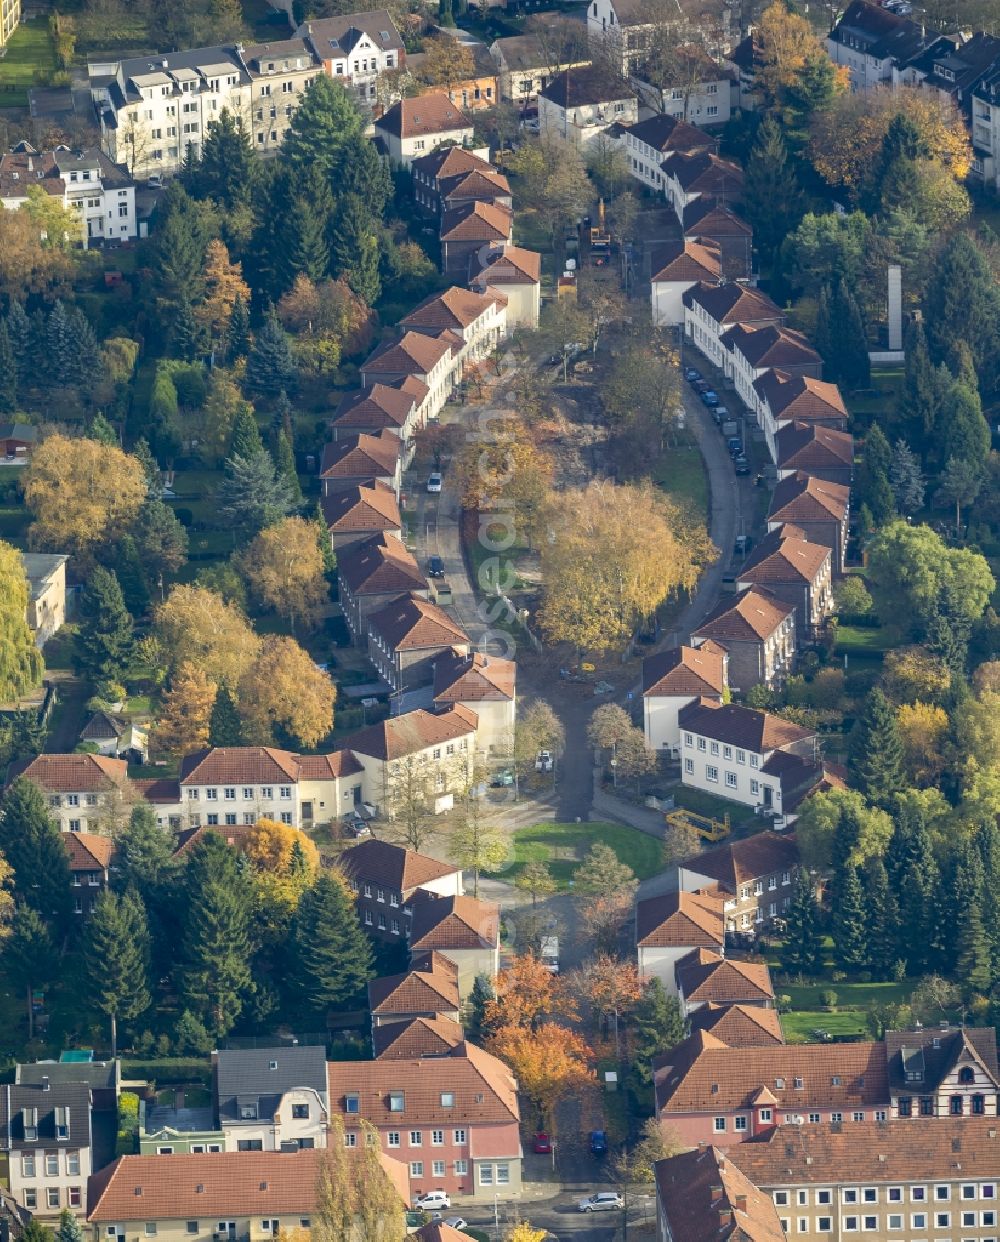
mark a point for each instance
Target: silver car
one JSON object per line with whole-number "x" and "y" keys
{"x": 608, "y": 1201}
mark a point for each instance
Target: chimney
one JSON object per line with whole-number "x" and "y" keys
{"x": 45, "y": 1082}
{"x": 740, "y": 1203}
{"x": 725, "y": 1217}
{"x": 716, "y": 1193}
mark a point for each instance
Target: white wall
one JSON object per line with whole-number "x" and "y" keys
{"x": 660, "y": 720}
{"x": 735, "y": 779}
{"x": 667, "y": 301}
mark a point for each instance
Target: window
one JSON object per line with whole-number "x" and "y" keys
{"x": 850, "y": 1224}
{"x": 755, "y": 761}
{"x": 741, "y": 756}
{"x": 72, "y": 799}
{"x": 229, "y": 794}
{"x": 75, "y": 1196}
{"x": 823, "y": 1198}
{"x": 942, "y": 1193}
{"x": 755, "y": 787}
{"x": 720, "y": 1125}
{"x": 150, "y": 1229}
{"x": 248, "y": 1112}
{"x": 731, "y": 780}
{"x": 164, "y": 1151}
{"x": 249, "y": 1145}
{"x": 869, "y": 1194}
{"x": 28, "y": 1166}
{"x": 461, "y": 1167}
{"x": 894, "y": 1194}
{"x": 896, "y": 1221}
{"x": 392, "y": 1138}
{"x": 711, "y": 774}
{"x": 989, "y": 1218}
{"x": 212, "y": 820}
{"x": 191, "y": 1226}
{"x": 918, "y": 1194}
{"x": 979, "y": 1105}
{"x": 212, "y": 795}
{"x": 814, "y": 1119}
{"x": 766, "y": 1114}
{"x": 988, "y": 1190}
{"x": 942, "y": 1220}
{"x": 350, "y": 1140}
{"x": 689, "y": 766}
{"x": 416, "y": 1138}
{"x": 905, "y": 1106}
{"x": 712, "y": 110}
{"x": 300, "y": 1112}
{"x": 918, "y": 1220}
{"x": 380, "y": 895}
{"x": 781, "y": 1198}
{"x": 836, "y": 1116}
{"x": 74, "y": 825}
{"x": 284, "y": 791}
{"x": 701, "y": 743}
{"x": 486, "y": 1175}
{"x": 714, "y": 748}
{"x": 802, "y": 1198}
{"x": 286, "y": 817}
{"x": 267, "y": 791}
{"x": 957, "y": 1105}
{"x": 30, "y": 1197}
{"x": 739, "y": 1123}
{"x": 51, "y": 1164}
{"x": 437, "y": 1168}
{"x": 926, "y": 1106}
{"x": 52, "y": 1196}
{"x": 687, "y": 742}
{"x": 870, "y": 1223}
{"x": 968, "y": 1220}
{"x": 459, "y": 1138}
{"x": 824, "y": 1224}
{"x": 437, "y": 1138}
{"x": 849, "y": 1196}
{"x": 416, "y": 1168}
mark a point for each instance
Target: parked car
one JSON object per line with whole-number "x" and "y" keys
{"x": 541, "y": 1143}
{"x": 691, "y": 375}
{"x": 431, "y": 1201}
{"x": 606, "y": 1201}
{"x": 544, "y": 761}
{"x": 598, "y": 1143}
{"x": 435, "y": 567}
{"x": 502, "y": 780}
{"x": 455, "y": 1222}
{"x": 743, "y": 545}
{"x": 701, "y": 385}
{"x": 742, "y": 465}
{"x": 710, "y": 398}
{"x": 735, "y": 446}
{"x": 355, "y": 826}
{"x": 434, "y": 482}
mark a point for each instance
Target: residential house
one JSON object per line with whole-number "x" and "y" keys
{"x": 271, "y": 1099}
{"x": 479, "y": 89}
{"x": 87, "y": 182}
{"x": 871, "y": 41}
{"x": 399, "y": 406}
{"x": 116, "y": 736}
{"x": 439, "y": 1231}
{"x": 814, "y": 449}
{"x": 782, "y": 398}
{"x": 709, "y": 1092}
{"x": 739, "y": 1025}
{"x": 757, "y": 631}
{"x": 46, "y": 1145}
{"x": 707, "y": 218}
{"x": 701, "y": 93}
{"x": 449, "y": 166}
{"x": 417, "y": 755}
{"x": 525, "y": 66}
{"x": 178, "y": 1130}
{"x": 10, "y": 17}
{"x": 700, "y": 174}
{"x": 484, "y": 684}
{"x": 479, "y": 320}
{"x": 701, "y": 1196}
{"x": 705, "y": 977}
{"x": 454, "y": 1118}
{"x": 756, "y": 874}
{"x": 751, "y": 352}
{"x": 675, "y": 267}
{"x": 46, "y": 572}
{"x": 516, "y": 274}
{"x": 386, "y": 876}
{"x": 952, "y": 65}
{"x": 89, "y": 865}
{"x": 790, "y": 568}
{"x": 254, "y": 1196}
{"x": 428, "y": 359}
{"x": 984, "y": 106}
{"x": 428, "y": 992}
{"x": 356, "y": 49}
{"x": 621, "y": 30}
{"x": 280, "y": 74}
{"x": 673, "y": 678}
{"x": 834, "y": 1181}
{"x": 359, "y": 511}
{"x": 104, "y": 1078}
{"x": 647, "y": 144}
{"x": 406, "y": 637}
{"x": 347, "y": 463}
{"x": 474, "y": 187}
{"x": 464, "y": 929}
{"x": 946, "y": 1072}
{"x": 749, "y": 756}
{"x": 372, "y": 574}
{"x": 82, "y": 790}
{"x": 711, "y": 309}
{"x": 669, "y": 925}
{"x": 820, "y": 510}
{"x": 466, "y": 230}
{"x": 580, "y": 104}
{"x": 412, "y": 127}
{"x": 416, "y": 1038}
{"x": 17, "y": 442}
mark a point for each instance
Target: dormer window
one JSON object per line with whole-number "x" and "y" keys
{"x": 352, "y": 1103}
{"x": 29, "y": 1120}
{"x": 272, "y": 1065}
{"x": 396, "y": 1101}
{"x": 248, "y": 1112}
{"x": 62, "y": 1123}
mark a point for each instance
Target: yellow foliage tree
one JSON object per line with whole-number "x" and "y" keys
{"x": 223, "y": 285}
{"x": 446, "y": 61}
{"x": 81, "y": 494}
{"x": 284, "y": 689}
{"x": 922, "y": 730}
{"x": 525, "y": 1232}
{"x": 549, "y": 1063}
{"x": 614, "y": 555}
{"x": 784, "y": 44}
{"x": 284, "y": 861}
{"x": 285, "y": 569}
{"x": 912, "y": 673}
{"x": 182, "y": 726}
{"x": 509, "y": 473}
{"x": 26, "y": 264}
{"x": 198, "y": 625}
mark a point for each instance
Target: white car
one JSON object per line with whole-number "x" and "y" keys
{"x": 607, "y": 1201}
{"x": 544, "y": 761}
{"x": 434, "y": 482}
{"x": 455, "y": 1222}
{"x": 432, "y": 1201}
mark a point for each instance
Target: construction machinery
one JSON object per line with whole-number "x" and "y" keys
{"x": 706, "y": 828}
{"x": 600, "y": 239}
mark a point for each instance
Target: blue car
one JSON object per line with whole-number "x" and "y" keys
{"x": 710, "y": 398}
{"x": 691, "y": 375}
{"x": 598, "y": 1143}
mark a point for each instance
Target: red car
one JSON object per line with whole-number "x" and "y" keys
{"x": 542, "y": 1144}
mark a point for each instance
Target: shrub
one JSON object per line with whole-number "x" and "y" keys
{"x": 828, "y": 998}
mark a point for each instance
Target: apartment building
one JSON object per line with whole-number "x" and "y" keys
{"x": 433, "y": 360}
{"x": 580, "y": 104}
{"x": 712, "y": 309}
{"x": 701, "y": 93}
{"x": 676, "y": 267}
{"x": 385, "y": 878}
{"x": 705, "y": 218}
{"x": 408, "y": 637}
{"x": 356, "y": 512}
{"x": 428, "y": 990}
{"x": 356, "y": 49}
{"x": 271, "y": 1099}
{"x": 372, "y": 574}
{"x": 688, "y": 177}
{"x": 821, "y": 510}
{"x": 751, "y": 352}
{"x": 82, "y": 791}
{"x": 468, "y": 230}
{"x": 439, "y": 173}
{"x": 463, "y": 929}
{"x": 350, "y": 461}
{"x": 399, "y": 406}
{"x": 85, "y": 181}
{"x": 701, "y": 1196}
{"x": 757, "y": 631}
{"x": 525, "y": 66}
{"x": 413, "y": 127}
{"x": 417, "y": 1038}
{"x": 782, "y": 397}
{"x": 670, "y": 680}
{"x": 755, "y": 876}
{"x": 479, "y": 320}
{"x": 795, "y": 571}
{"x": 46, "y": 1145}
{"x": 648, "y": 143}
{"x": 823, "y": 452}
{"x": 704, "y": 977}
{"x": 871, "y": 42}
{"x": 669, "y": 925}
{"x": 89, "y": 866}
{"x": 514, "y": 273}
{"x": 485, "y": 684}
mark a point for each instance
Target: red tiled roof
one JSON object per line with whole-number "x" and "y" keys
{"x": 412, "y": 624}
{"x": 87, "y": 851}
{"x": 432, "y": 113}
{"x": 682, "y": 920}
{"x": 454, "y": 308}
{"x": 361, "y": 457}
{"x": 413, "y": 732}
{"x": 361, "y": 507}
{"x": 784, "y": 556}
{"x": 685, "y": 671}
{"x": 713, "y": 219}
{"x": 473, "y": 678}
{"x": 804, "y": 498}
{"x": 800, "y": 396}
{"x": 380, "y": 566}
{"x": 417, "y": 991}
{"x": 812, "y": 446}
{"x": 382, "y": 405}
{"x": 704, "y": 975}
{"x": 688, "y": 259}
{"x": 741, "y": 726}
{"x": 733, "y": 303}
{"x": 416, "y": 1039}
{"x": 668, "y": 133}
{"x": 449, "y": 162}
{"x": 248, "y": 765}
{"x": 705, "y": 172}
{"x": 328, "y": 767}
{"x": 738, "y": 862}
{"x": 706, "y": 1198}
{"x": 445, "y": 923}
{"x": 391, "y": 866}
{"x": 73, "y": 773}
{"x": 485, "y": 222}
{"x": 510, "y": 265}
{"x": 739, "y": 1026}
{"x": 752, "y": 615}
{"x": 486, "y": 184}
{"x": 771, "y": 346}
{"x": 413, "y": 354}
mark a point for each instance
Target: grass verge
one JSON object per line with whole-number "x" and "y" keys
{"x": 563, "y": 847}
{"x": 680, "y": 472}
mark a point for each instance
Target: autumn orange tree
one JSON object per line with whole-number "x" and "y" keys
{"x": 549, "y": 1064}
{"x": 792, "y": 69}
{"x": 526, "y": 992}
{"x": 284, "y": 689}
{"x": 223, "y": 285}
{"x": 182, "y": 725}
{"x": 284, "y": 566}
{"x": 612, "y": 987}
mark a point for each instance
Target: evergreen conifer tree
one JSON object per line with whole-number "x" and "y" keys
{"x": 282, "y": 420}
{"x": 229, "y": 166}
{"x": 60, "y": 343}
{"x": 852, "y": 363}
{"x": 920, "y": 396}
{"x": 131, "y": 575}
{"x": 949, "y": 630}
{"x": 33, "y": 846}
{"x": 225, "y": 727}
{"x": 875, "y": 755}
{"x": 973, "y": 965}
{"x": 70, "y": 1229}
{"x": 102, "y": 431}
{"x": 850, "y": 930}
{"x": 801, "y": 952}
{"x": 988, "y": 843}
{"x": 253, "y": 495}
{"x": 962, "y": 431}
{"x": 354, "y": 248}
{"x": 772, "y": 197}
{"x": 19, "y": 333}
{"x": 323, "y": 539}
{"x": 270, "y": 365}
{"x": 246, "y": 441}
{"x": 284, "y": 461}
{"x": 362, "y": 171}
{"x": 306, "y": 250}
{"x": 238, "y": 332}
{"x": 326, "y": 122}
{"x": 906, "y": 479}
{"x": 115, "y": 960}
{"x": 104, "y": 640}
{"x": 143, "y": 854}
{"x": 30, "y": 958}
{"x": 873, "y": 487}
{"x": 333, "y": 957}
{"x": 657, "y": 1025}
{"x": 8, "y": 372}
{"x": 882, "y": 921}
{"x": 187, "y": 337}
{"x": 963, "y": 304}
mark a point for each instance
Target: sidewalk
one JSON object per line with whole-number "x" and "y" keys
{"x": 608, "y": 806}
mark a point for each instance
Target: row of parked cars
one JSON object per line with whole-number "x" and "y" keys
{"x": 723, "y": 419}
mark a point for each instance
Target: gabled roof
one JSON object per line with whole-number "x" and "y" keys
{"x": 335, "y": 35}
{"x": 473, "y": 678}
{"x": 485, "y": 185}
{"x": 812, "y": 446}
{"x": 680, "y": 920}
{"x": 248, "y": 765}
{"x": 445, "y": 923}
{"x": 429, "y": 114}
{"x": 703, "y": 975}
{"x": 19, "y": 431}
{"x": 739, "y": 1026}
{"x": 454, "y": 308}
{"x": 687, "y": 259}
{"x": 710, "y": 218}
{"x": 381, "y": 405}
{"x": 413, "y": 354}
{"x": 97, "y": 1075}
{"x": 580, "y": 85}
{"x": 418, "y": 1038}
{"x": 668, "y": 133}
{"x": 361, "y": 457}
{"x": 752, "y": 615}
{"x": 44, "y": 1098}
{"x": 509, "y": 265}
{"x": 449, "y": 162}
{"x": 87, "y": 851}
{"x": 328, "y": 767}
{"x": 361, "y": 507}
{"x": 738, "y": 862}
{"x": 704, "y": 172}
{"x": 263, "y": 1075}
{"x": 380, "y": 566}
{"x": 72, "y": 773}
{"x": 683, "y": 671}
{"x": 391, "y": 866}
{"x": 771, "y": 346}
{"x": 413, "y": 732}
{"x": 416, "y": 991}
{"x": 439, "y": 1231}
{"x": 799, "y": 396}
{"x": 880, "y": 33}
{"x": 412, "y": 624}
{"x": 781, "y": 557}
{"x": 705, "y": 1198}
{"x": 104, "y": 726}
{"x": 933, "y": 1053}
{"x": 804, "y": 498}
{"x": 742, "y": 726}
{"x": 479, "y": 221}
{"x": 732, "y": 303}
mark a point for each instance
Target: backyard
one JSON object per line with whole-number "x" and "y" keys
{"x": 847, "y": 1017}
{"x": 29, "y": 61}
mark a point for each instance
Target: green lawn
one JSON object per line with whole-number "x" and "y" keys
{"x": 680, "y": 472}
{"x": 851, "y": 638}
{"x": 564, "y": 846}
{"x": 799, "y": 1026}
{"x": 849, "y": 1018}
{"x": 874, "y": 401}
{"x": 29, "y": 60}
{"x": 716, "y": 808}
